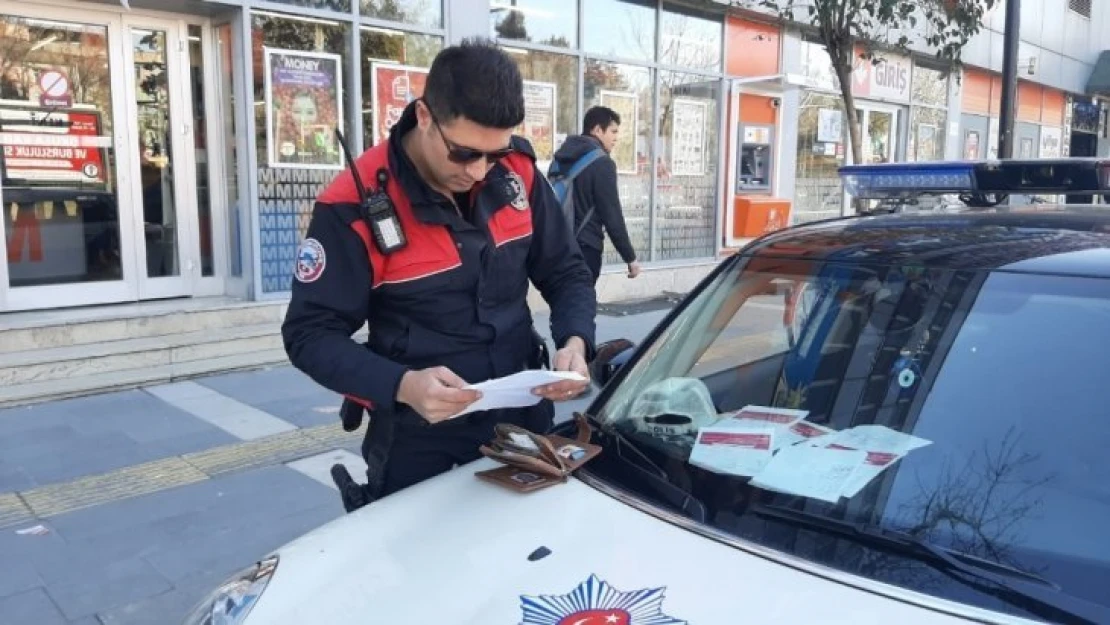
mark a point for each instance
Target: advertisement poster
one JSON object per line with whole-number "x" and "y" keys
{"x": 539, "y": 118}
{"x": 394, "y": 87}
{"x": 1051, "y": 142}
{"x": 44, "y": 146}
{"x": 829, "y": 126}
{"x": 304, "y": 106}
{"x": 971, "y": 145}
{"x": 627, "y": 106}
{"x": 688, "y": 137}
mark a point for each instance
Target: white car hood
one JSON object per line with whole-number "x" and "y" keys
{"x": 455, "y": 550}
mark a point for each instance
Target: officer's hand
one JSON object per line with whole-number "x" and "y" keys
{"x": 634, "y": 269}
{"x": 435, "y": 393}
{"x": 571, "y": 357}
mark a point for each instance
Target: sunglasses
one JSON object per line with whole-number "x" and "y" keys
{"x": 463, "y": 155}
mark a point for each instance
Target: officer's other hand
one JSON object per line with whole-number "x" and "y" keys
{"x": 634, "y": 269}
{"x": 572, "y": 357}
{"x": 435, "y": 393}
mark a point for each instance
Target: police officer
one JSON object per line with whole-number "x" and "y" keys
{"x": 437, "y": 263}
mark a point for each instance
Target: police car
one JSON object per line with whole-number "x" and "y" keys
{"x": 895, "y": 417}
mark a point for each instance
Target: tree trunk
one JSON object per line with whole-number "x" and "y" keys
{"x": 844, "y": 76}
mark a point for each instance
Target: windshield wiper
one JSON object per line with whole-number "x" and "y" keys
{"x": 1040, "y": 597}
{"x": 655, "y": 474}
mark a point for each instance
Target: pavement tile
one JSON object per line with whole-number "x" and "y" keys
{"x": 53, "y": 462}
{"x": 268, "y": 385}
{"x": 17, "y": 577}
{"x": 114, "y": 584}
{"x": 33, "y": 607}
{"x": 13, "y": 479}
{"x": 307, "y": 411}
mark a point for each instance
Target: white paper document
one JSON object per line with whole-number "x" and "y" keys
{"x": 801, "y": 431}
{"x": 807, "y": 471}
{"x": 872, "y": 466}
{"x": 877, "y": 438}
{"x": 514, "y": 391}
{"x": 780, "y": 420}
{"x": 733, "y": 450}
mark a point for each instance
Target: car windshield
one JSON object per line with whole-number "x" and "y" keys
{"x": 965, "y": 408}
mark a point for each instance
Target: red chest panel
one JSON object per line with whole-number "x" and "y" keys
{"x": 430, "y": 249}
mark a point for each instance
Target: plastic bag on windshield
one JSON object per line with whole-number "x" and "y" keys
{"x": 674, "y": 408}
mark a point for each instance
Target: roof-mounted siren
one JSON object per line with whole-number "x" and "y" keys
{"x": 974, "y": 181}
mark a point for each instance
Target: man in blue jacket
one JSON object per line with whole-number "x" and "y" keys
{"x": 447, "y": 307}
{"x": 597, "y": 204}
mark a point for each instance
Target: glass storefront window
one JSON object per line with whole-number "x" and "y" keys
{"x": 690, "y": 38}
{"x": 629, "y": 91}
{"x": 226, "y": 86}
{"x": 929, "y": 114}
{"x": 551, "y": 99}
{"x": 927, "y": 133}
{"x": 548, "y": 22}
{"x": 687, "y": 161}
{"x": 343, "y": 6}
{"x": 822, "y": 146}
{"x": 393, "y": 68}
{"x": 417, "y": 12}
{"x": 57, "y": 158}
{"x": 619, "y": 28}
{"x": 200, "y": 128}
{"x": 299, "y": 100}
{"x": 929, "y": 87}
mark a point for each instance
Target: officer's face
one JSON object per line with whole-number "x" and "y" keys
{"x": 451, "y": 149}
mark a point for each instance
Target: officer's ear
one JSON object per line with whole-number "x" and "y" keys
{"x": 423, "y": 115}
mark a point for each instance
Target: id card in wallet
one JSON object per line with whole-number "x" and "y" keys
{"x": 517, "y": 479}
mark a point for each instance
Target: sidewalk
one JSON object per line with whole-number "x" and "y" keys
{"x": 126, "y": 507}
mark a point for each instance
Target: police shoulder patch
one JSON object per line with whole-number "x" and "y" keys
{"x": 311, "y": 261}
{"x": 519, "y": 198}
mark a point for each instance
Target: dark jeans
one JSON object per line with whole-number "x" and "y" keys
{"x": 593, "y": 260}
{"x": 401, "y": 455}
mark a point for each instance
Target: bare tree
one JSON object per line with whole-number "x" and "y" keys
{"x": 844, "y": 26}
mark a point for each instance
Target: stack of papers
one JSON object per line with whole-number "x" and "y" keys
{"x": 780, "y": 451}
{"x": 514, "y": 391}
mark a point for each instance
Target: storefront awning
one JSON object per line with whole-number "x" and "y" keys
{"x": 1099, "y": 81}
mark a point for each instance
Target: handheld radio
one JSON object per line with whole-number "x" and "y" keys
{"x": 376, "y": 209}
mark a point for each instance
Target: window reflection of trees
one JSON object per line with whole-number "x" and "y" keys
{"x": 418, "y": 12}
{"x": 27, "y": 49}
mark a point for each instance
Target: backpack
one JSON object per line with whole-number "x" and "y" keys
{"x": 563, "y": 185}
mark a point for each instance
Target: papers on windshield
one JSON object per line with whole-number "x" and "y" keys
{"x": 514, "y": 391}
{"x": 815, "y": 472}
{"x": 734, "y": 450}
{"x": 781, "y": 451}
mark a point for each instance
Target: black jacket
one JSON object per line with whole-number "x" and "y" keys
{"x": 458, "y": 301}
{"x": 596, "y": 187}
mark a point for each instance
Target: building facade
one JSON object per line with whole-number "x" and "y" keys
{"x": 174, "y": 148}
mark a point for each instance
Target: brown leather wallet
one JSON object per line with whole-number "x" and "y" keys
{"x": 534, "y": 461}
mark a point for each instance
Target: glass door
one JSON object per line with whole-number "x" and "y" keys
{"x": 62, "y": 164}
{"x": 879, "y": 134}
{"x": 161, "y": 123}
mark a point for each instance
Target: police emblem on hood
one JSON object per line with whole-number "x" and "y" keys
{"x": 514, "y": 191}
{"x": 595, "y": 602}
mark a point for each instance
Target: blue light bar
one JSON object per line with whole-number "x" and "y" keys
{"x": 893, "y": 180}
{"x": 1060, "y": 176}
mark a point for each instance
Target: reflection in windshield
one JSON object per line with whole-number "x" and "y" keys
{"x": 1000, "y": 374}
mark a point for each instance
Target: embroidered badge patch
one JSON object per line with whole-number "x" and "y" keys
{"x": 519, "y": 199}
{"x": 595, "y": 602}
{"x": 311, "y": 260}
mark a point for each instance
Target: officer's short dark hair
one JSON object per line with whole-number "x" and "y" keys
{"x": 599, "y": 116}
{"x": 476, "y": 80}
